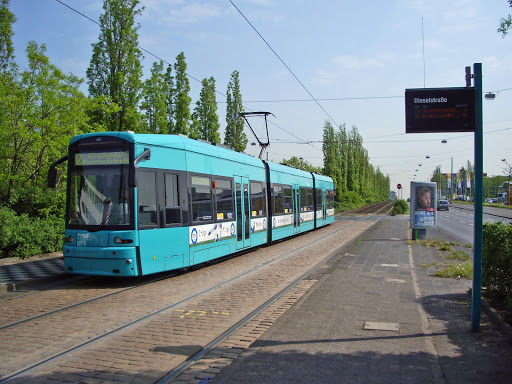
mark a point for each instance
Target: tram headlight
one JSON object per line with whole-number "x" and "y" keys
{"x": 118, "y": 240}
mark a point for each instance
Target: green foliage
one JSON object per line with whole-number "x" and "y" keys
{"x": 300, "y": 163}
{"x": 23, "y": 236}
{"x": 332, "y": 158}
{"x": 154, "y": 101}
{"x": 400, "y": 207}
{"x": 505, "y": 22}
{"x": 460, "y": 255}
{"x": 7, "y": 18}
{"x": 497, "y": 261}
{"x": 347, "y": 162}
{"x": 169, "y": 98}
{"x": 115, "y": 69}
{"x": 181, "y": 101}
{"x": 350, "y": 200}
{"x": 42, "y": 108}
{"x": 205, "y": 121}
{"x": 235, "y": 136}
{"x": 458, "y": 271}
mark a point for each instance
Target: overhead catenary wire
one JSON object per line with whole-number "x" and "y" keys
{"x": 286, "y": 66}
{"x": 187, "y": 74}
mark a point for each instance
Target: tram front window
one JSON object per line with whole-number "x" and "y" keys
{"x": 99, "y": 193}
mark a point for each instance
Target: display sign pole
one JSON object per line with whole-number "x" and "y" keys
{"x": 478, "y": 201}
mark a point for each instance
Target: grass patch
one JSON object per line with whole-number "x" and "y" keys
{"x": 468, "y": 246}
{"x": 458, "y": 271}
{"x": 445, "y": 247}
{"x": 460, "y": 255}
{"x": 426, "y": 265}
{"x": 409, "y": 242}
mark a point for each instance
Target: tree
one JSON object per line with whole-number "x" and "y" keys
{"x": 235, "y": 136}
{"x": 343, "y": 151}
{"x": 505, "y": 23}
{"x": 42, "y": 108}
{"x": 7, "y": 18}
{"x": 181, "y": 99}
{"x": 115, "y": 69}
{"x": 169, "y": 99}
{"x": 332, "y": 159}
{"x": 300, "y": 163}
{"x": 154, "y": 96}
{"x": 205, "y": 121}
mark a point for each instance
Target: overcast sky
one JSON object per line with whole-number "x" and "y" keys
{"x": 355, "y": 58}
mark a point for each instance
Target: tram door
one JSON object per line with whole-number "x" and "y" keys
{"x": 296, "y": 208}
{"x": 243, "y": 229}
{"x": 324, "y": 205}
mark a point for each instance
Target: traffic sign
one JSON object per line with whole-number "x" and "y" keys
{"x": 399, "y": 186}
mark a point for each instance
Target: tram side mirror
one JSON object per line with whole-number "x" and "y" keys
{"x": 52, "y": 177}
{"x": 52, "y": 172}
{"x": 146, "y": 155}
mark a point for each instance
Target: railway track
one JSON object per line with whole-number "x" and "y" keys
{"x": 155, "y": 330}
{"x": 380, "y": 208}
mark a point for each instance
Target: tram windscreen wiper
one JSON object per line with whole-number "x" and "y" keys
{"x": 106, "y": 214}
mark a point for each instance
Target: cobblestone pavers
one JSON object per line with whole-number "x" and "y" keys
{"x": 145, "y": 351}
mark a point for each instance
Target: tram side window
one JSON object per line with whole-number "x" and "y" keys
{"x": 146, "y": 192}
{"x": 330, "y": 199}
{"x": 278, "y": 199}
{"x": 306, "y": 199}
{"x": 288, "y": 201}
{"x": 318, "y": 199}
{"x": 172, "y": 201}
{"x": 224, "y": 199}
{"x": 258, "y": 199}
{"x": 202, "y": 203}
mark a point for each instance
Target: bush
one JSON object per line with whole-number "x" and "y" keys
{"x": 349, "y": 200}
{"x": 497, "y": 262}
{"x": 400, "y": 207}
{"x": 23, "y": 236}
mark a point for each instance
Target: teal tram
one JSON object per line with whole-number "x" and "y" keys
{"x": 139, "y": 204}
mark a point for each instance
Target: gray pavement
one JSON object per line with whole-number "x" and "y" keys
{"x": 375, "y": 314}
{"x": 17, "y": 274}
{"x": 418, "y": 326}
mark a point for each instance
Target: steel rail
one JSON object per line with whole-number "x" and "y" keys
{"x": 134, "y": 322}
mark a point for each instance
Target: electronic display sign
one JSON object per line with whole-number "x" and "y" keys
{"x": 431, "y": 110}
{"x": 102, "y": 158}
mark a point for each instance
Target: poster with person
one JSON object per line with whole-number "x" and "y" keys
{"x": 423, "y": 205}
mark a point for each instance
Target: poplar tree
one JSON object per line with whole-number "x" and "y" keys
{"x": 332, "y": 158}
{"x": 205, "y": 121}
{"x": 115, "y": 69}
{"x": 342, "y": 140}
{"x": 235, "y": 136}
{"x": 181, "y": 98}
{"x": 7, "y": 18}
{"x": 154, "y": 100}
{"x": 169, "y": 99}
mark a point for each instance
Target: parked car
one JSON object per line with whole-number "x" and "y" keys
{"x": 490, "y": 200}
{"x": 443, "y": 205}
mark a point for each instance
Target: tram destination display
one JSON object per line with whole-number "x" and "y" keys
{"x": 102, "y": 158}
{"x": 431, "y": 110}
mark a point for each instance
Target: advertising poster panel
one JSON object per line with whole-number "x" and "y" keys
{"x": 423, "y": 205}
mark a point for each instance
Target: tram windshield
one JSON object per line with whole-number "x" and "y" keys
{"x": 99, "y": 194}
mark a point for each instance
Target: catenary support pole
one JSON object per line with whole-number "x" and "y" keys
{"x": 478, "y": 202}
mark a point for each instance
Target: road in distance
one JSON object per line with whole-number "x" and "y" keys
{"x": 459, "y": 220}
